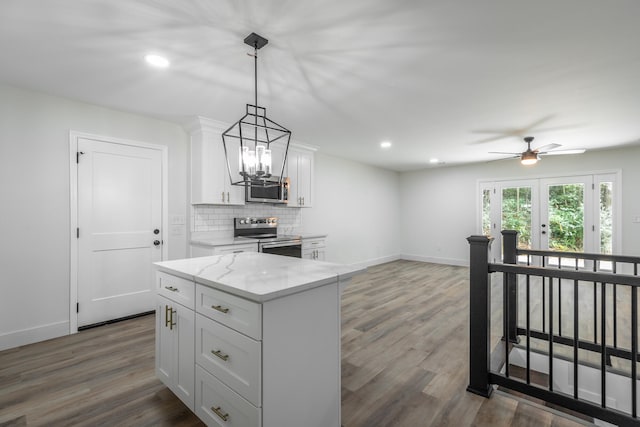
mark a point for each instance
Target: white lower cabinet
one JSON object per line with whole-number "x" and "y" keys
{"x": 314, "y": 249}
{"x": 232, "y": 357}
{"x": 218, "y": 405}
{"x": 270, "y": 364}
{"x": 175, "y": 333}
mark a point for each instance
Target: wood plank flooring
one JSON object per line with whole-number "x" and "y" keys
{"x": 404, "y": 349}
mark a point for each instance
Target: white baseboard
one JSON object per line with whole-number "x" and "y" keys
{"x": 32, "y": 335}
{"x": 436, "y": 260}
{"x": 376, "y": 261}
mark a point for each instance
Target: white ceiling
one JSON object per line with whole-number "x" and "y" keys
{"x": 451, "y": 79}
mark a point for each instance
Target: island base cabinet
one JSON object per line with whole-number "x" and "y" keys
{"x": 175, "y": 348}
{"x": 218, "y": 405}
{"x": 301, "y": 359}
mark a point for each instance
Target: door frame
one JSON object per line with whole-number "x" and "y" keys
{"x": 617, "y": 200}
{"x": 74, "y": 136}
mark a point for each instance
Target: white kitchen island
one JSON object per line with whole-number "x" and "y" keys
{"x": 252, "y": 339}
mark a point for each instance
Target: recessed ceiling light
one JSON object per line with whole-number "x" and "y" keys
{"x": 434, "y": 160}
{"x": 157, "y": 61}
{"x": 385, "y": 144}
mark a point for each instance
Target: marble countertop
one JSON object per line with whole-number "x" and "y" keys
{"x": 257, "y": 276}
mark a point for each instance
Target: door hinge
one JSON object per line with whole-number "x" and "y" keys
{"x": 78, "y": 154}
{"x": 78, "y": 233}
{"x": 77, "y": 307}
{"x": 593, "y": 228}
{"x": 593, "y": 186}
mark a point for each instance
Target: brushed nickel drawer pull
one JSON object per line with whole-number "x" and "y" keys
{"x": 219, "y": 353}
{"x": 220, "y": 308}
{"x": 218, "y": 412}
{"x": 172, "y": 289}
{"x": 172, "y": 323}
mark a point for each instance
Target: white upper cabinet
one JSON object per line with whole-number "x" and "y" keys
{"x": 300, "y": 171}
{"x": 210, "y": 183}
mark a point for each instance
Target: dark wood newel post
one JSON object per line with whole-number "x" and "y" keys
{"x": 479, "y": 315}
{"x": 510, "y": 256}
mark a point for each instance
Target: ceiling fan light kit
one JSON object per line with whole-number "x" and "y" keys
{"x": 254, "y": 136}
{"x": 530, "y": 157}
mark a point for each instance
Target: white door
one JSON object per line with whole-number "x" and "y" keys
{"x": 565, "y": 222}
{"x": 119, "y": 229}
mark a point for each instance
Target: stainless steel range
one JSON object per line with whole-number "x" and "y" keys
{"x": 265, "y": 230}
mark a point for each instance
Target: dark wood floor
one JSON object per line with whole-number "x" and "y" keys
{"x": 404, "y": 346}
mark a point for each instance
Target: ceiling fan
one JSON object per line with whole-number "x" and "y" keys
{"x": 531, "y": 157}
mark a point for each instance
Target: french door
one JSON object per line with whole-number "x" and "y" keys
{"x": 569, "y": 214}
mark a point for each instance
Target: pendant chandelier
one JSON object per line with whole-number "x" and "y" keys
{"x": 256, "y": 139}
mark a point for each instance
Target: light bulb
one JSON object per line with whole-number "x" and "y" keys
{"x": 266, "y": 159}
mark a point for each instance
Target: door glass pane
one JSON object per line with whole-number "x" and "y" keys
{"x": 516, "y": 213}
{"x": 566, "y": 217}
{"x": 606, "y": 218}
{"x": 486, "y": 212}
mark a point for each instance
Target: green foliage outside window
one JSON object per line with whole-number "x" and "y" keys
{"x": 566, "y": 217}
{"x": 516, "y": 213}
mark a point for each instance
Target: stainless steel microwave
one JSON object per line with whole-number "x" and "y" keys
{"x": 270, "y": 193}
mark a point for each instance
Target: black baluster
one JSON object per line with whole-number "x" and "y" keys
{"x": 634, "y": 349}
{"x": 603, "y": 345}
{"x": 528, "y": 333}
{"x": 576, "y": 337}
{"x": 551, "y": 333}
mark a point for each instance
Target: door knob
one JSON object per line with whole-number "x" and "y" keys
{"x": 156, "y": 242}
{"x": 156, "y": 231}
{"x": 544, "y": 232}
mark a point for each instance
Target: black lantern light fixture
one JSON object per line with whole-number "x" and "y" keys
{"x": 254, "y": 138}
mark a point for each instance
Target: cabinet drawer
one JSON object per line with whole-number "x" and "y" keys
{"x": 313, "y": 243}
{"x": 235, "y": 249}
{"x": 218, "y": 405}
{"x": 233, "y": 358}
{"x": 176, "y": 289}
{"x": 237, "y": 313}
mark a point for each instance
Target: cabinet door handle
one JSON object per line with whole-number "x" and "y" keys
{"x": 303, "y": 201}
{"x": 221, "y": 355}
{"x": 228, "y": 198}
{"x": 172, "y": 289}
{"x": 238, "y": 252}
{"x": 223, "y": 197}
{"x": 172, "y": 324}
{"x": 166, "y": 316}
{"x": 218, "y": 412}
{"x": 220, "y": 308}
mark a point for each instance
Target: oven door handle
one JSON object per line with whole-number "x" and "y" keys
{"x": 280, "y": 244}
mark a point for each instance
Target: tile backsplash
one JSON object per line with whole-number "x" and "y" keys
{"x": 219, "y": 219}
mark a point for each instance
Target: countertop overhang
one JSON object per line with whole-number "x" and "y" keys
{"x": 257, "y": 276}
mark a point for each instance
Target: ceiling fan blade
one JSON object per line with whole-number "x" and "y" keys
{"x": 548, "y": 147}
{"x": 502, "y": 152}
{"x": 560, "y": 152}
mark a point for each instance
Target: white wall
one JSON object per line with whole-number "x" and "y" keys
{"x": 359, "y": 207}
{"x": 34, "y": 197}
{"x": 439, "y": 205}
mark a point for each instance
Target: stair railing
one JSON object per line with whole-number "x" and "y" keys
{"x": 484, "y": 373}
